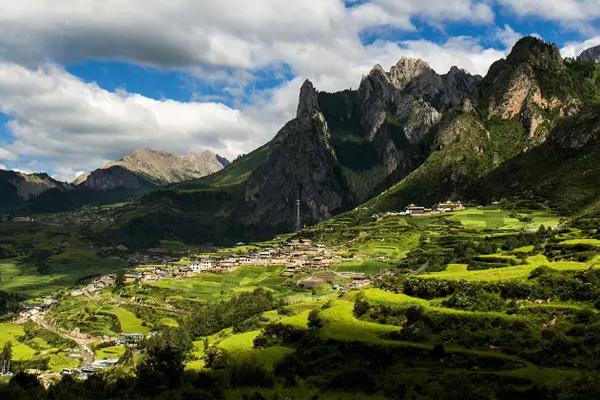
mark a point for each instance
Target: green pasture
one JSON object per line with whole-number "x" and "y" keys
{"x": 507, "y": 273}
{"x": 494, "y": 218}
{"x": 10, "y": 332}
{"x": 127, "y": 320}
{"x": 103, "y": 353}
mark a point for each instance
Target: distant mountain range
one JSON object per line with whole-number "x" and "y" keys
{"x": 406, "y": 135}
{"x": 146, "y": 167}
{"x": 142, "y": 169}
{"x": 17, "y": 187}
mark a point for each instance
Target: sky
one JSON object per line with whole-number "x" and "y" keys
{"x": 84, "y": 82}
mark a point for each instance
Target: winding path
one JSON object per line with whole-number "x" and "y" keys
{"x": 83, "y": 344}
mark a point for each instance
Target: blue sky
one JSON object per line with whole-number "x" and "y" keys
{"x": 224, "y": 75}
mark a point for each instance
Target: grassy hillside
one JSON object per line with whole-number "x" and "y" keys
{"x": 467, "y": 149}
{"x": 481, "y": 299}
{"x": 554, "y": 172}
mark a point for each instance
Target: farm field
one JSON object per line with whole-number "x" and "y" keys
{"x": 480, "y": 288}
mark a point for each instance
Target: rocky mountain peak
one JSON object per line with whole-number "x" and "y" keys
{"x": 308, "y": 103}
{"x": 527, "y": 82}
{"x": 590, "y": 55}
{"x": 535, "y": 51}
{"x": 408, "y": 69}
{"x": 146, "y": 166}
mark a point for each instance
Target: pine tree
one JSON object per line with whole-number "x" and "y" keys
{"x": 6, "y": 357}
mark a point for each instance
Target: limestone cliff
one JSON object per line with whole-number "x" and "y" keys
{"x": 301, "y": 165}
{"x": 590, "y": 55}
{"x": 526, "y": 85}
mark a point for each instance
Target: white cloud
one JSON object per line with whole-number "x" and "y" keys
{"x": 6, "y": 155}
{"x": 574, "y": 49}
{"x": 439, "y": 11}
{"x": 67, "y": 125}
{"x": 577, "y": 14}
{"x": 73, "y": 124}
{"x": 464, "y": 52}
{"x": 507, "y": 36}
{"x": 192, "y": 34}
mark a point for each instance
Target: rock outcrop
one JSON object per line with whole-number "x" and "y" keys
{"x": 301, "y": 166}
{"x": 308, "y": 103}
{"x": 523, "y": 85}
{"x": 590, "y": 55}
{"x": 578, "y": 131}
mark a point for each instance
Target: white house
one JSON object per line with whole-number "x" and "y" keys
{"x": 201, "y": 265}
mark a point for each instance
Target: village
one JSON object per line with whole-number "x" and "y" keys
{"x": 306, "y": 263}
{"x": 295, "y": 257}
{"x": 414, "y": 210}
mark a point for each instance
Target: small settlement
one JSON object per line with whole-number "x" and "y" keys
{"x": 414, "y": 210}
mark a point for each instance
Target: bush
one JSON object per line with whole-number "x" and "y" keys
{"x": 476, "y": 299}
{"x": 247, "y": 371}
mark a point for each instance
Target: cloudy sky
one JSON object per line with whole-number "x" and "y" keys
{"x": 87, "y": 81}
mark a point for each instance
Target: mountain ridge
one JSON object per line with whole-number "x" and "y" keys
{"x": 144, "y": 167}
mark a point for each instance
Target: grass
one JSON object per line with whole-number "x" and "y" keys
{"x": 340, "y": 324}
{"x": 382, "y": 297}
{"x": 585, "y": 241}
{"x": 11, "y": 333}
{"x": 208, "y": 287}
{"x": 57, "y": 362}
{"x": 103, "y": 353}
{"x": 128, "y": 321}
{"x": 494, "y": 218}
{"x": 65, "y": 270}
{"x": 508, "y": 273}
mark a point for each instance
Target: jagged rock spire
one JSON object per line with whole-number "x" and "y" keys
{"x": 308, "y": 103}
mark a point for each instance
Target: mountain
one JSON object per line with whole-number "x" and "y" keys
{"x": 16, "y": 187}
{"x": 144, "y": 167}
{"x": 405, "y": 135}
{"x": 590, "y": 55}
{"x": 562, "y": 172}
{"x": 522, "y": 99}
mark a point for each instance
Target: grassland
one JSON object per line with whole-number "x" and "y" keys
{"x": 503, "y": 245}
{"x": 46, "y": 256}
{"x": 518, "y": 272}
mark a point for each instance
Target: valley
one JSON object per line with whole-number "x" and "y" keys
{"x": 425, "y": 236}
{"x": 431, "y": 278}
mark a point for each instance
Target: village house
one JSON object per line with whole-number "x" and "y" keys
{"x": 413, "y": 209}
{"x": 22, "y": 219}
{"x": 449, "y": 206}
{"x": 310, "y": 282}
{"x": 130, "y": 339}
{"x": 201, "y": 265}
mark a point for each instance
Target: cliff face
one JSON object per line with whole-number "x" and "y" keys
{"x": 579, "y": 131}
{"x": 301, "y": 165}
{"x": 114, "y": 177}
{"x": 590, "y": 55}
{"x": 526, "y": 85}
{"x": 344, "y": 147}
{"x": 145, "y": 167}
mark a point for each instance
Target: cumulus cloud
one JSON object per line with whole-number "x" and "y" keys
{"x": 574, "y": 49}
{"x": 57, "y": 117}
{"x": 59, "y": 122}
{"x": 189, "y": 33}
{"x": 577, "y": 14}
{"x": 6, "y": 155}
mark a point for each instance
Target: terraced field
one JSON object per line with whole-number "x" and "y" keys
{"x": 482, "y": 292}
